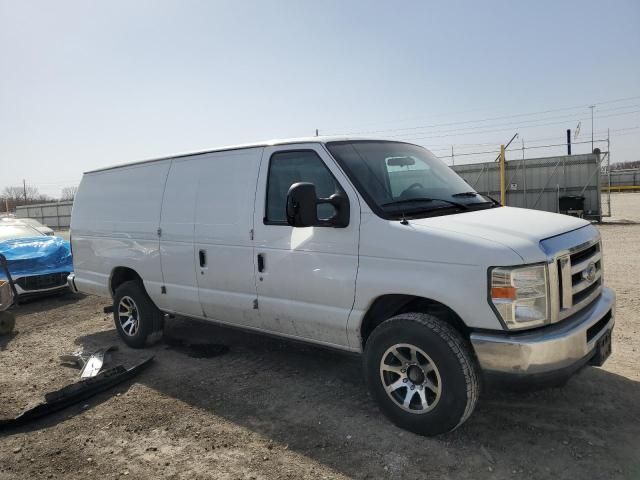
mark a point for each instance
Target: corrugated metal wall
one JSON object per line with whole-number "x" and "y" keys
{"x": 539, "y": 182}
{"x": 54, "y": 215}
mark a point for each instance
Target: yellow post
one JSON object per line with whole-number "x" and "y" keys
{"x": 503, "y": 187}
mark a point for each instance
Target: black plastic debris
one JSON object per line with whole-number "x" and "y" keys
{"x": 89, "y": 363}
{"x": 76, "y": 392}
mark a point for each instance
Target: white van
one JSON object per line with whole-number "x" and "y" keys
{"x": 369, "y": 246}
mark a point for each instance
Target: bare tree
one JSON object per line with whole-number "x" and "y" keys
{"x": 16, "y": 195}
{"x": 68, "y": 193}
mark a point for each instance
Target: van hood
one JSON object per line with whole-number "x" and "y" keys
{"x": 520, "y": 229}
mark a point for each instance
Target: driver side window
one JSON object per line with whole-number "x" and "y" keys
{"x": 289, "y": 167}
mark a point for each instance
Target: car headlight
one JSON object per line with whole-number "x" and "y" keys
{"x": 520, "y": 295}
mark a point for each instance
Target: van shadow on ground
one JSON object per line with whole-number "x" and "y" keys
{"x": 314, "y": 400}
{"x": 35, "y": 304}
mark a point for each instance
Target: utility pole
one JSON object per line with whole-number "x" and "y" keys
{"x": 453, "y": 160}
{"x": 568, "y": 141}
{"x": 316, "y": 132}
{"x": 592, "y": 107}
{"x": 24, "y": 190}
{"x": 503, "y": 186}
{"x": 524, "y": 176}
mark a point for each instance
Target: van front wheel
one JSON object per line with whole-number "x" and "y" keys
{"x": 421, "y": 372}
{"x": 137, "y": 319}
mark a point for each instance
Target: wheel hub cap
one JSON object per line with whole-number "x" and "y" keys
{"x": 128, "y": 316}
{"x": 410, "y": 378}
{"x": 415, "y": 374}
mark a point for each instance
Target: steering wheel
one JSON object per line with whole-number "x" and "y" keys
{"x": 413, "y": 186}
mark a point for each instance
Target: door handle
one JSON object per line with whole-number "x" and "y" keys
{"x": 202, "y": 254}
{"x": 261, "y": 262}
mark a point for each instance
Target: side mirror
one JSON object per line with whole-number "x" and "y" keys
{"x": 302, "y": 207}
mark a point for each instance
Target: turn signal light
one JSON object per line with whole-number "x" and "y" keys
{"x": 503, "y": 292}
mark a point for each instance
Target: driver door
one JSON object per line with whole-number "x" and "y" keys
{"x": 305, "y": 277}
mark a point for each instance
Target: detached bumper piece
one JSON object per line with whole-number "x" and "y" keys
{"x": 90, "y": 364}
{"x": 75, "y": 393}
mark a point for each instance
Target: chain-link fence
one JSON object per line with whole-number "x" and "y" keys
{"x": 621, "y": 180}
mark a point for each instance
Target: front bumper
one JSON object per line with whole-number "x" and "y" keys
{"x": 35, "y": 290}
{"x": 544, "y": 351}
{"x": 71, "y": 282}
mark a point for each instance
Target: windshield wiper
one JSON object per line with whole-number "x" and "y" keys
{"x": 465, "y": 194}
{"x": 475, "y": 194}
{"x": 426, "y": 199}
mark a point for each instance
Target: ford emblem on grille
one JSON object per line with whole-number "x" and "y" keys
{"x": 589, "y": 273}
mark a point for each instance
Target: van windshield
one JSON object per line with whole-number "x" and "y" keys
{"x": 399, "y": 179}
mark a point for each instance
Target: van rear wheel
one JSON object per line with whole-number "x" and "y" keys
{"x": 137, "y": 319}
{"x": 421, "y": 372}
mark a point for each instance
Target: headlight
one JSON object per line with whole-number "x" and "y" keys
{"x": 519, "y": 295}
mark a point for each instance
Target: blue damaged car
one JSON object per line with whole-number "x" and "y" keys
{"x": 38, "y": 263}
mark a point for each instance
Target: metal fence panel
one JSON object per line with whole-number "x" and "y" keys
{"x": 625, "y": 178}
{"x": 538, "y": 183}
{"x": 54, "y": 215}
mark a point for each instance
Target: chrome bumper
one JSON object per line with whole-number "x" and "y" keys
{"x": 548, "y": 349}
{"x": 71, "y": 282}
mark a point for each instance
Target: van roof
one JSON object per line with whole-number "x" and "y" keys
{"x": 266, "y": 143}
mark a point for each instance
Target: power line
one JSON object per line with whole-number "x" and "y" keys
{"x": 507, "y": 128}
{"x": 529, "y": 140}
{"x": 518, "y": 149}
{"x": 534, "y": 140}
{"x": 515, "y": 126}
{"x": 541, "y": 112}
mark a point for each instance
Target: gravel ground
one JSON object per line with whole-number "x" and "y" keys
{"x": 625, "y": 207}
{"x": 269, "y": 409}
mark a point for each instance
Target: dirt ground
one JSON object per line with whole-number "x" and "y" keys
{"x": 270, "y": 409}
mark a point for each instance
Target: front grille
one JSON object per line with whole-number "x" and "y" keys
{"x": 584, "y": 254}
{"x": 42, "y": 282}
{"x": 579, "y": 277}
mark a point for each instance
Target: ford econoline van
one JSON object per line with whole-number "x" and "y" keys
{"x": 369, "y": 246}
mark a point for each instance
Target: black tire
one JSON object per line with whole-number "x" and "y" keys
{"x": 456, "y": 373}
{"x": 7, "y": 322}
{"x": 150, "y": 320}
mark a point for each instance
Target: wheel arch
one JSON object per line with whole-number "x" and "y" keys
{"x": 389, "y": 305}
{"x": 119, "y": 275}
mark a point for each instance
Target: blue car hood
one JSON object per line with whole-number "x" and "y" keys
{"x": 36, "y": 256}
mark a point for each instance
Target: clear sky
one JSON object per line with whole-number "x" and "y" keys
{"x": 85, "y": 84}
